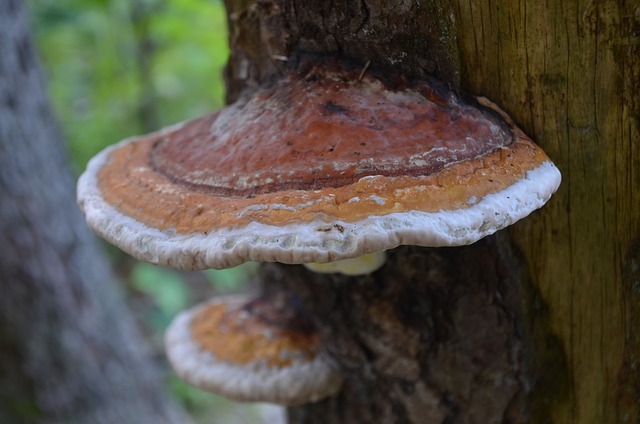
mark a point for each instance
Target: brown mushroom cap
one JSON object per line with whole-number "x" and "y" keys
{"x": 319, "y": 167}
{"x": 223, "y": 347}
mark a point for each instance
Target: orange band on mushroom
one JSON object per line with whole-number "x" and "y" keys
{"x": 132, "y": 186}
{"x": 237, "y": 337}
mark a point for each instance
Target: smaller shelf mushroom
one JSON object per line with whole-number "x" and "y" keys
{"x": 260, "y": 351}
{"x": 322, "y": 166}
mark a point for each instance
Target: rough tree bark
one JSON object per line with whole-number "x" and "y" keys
{"x": 69, "y": 352}
{"x": 538, "y": 323}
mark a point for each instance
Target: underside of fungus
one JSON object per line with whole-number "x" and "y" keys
{"x": 361, "y": 265}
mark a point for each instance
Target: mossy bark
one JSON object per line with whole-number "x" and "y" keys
{"x": 559, "y": 290}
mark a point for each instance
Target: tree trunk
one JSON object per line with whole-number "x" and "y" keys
{"x": 538, "y": 323}
{"x": 69, "y": 352}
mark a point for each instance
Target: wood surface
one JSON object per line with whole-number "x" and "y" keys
{"x": 568, "y": 72}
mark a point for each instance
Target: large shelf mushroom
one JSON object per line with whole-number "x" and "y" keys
{"x": 320, "y": 168}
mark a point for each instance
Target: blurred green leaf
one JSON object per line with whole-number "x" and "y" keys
{"x": 89, "y": 49}
{"x": 164, "y": 286}
{"x": 232, "y": 279}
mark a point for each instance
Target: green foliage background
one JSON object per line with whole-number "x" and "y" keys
{"x": 118, "y": 68}
{"x": 90, "y": 49}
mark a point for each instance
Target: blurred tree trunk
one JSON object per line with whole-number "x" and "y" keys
{"x": 69, "y": 351}
{"x": 540, "y": 323}
{"x": 141, "y": 13}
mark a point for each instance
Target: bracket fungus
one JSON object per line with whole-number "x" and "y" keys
{"x": 327, "y": 167}
{"x": 321, "y": 166}
{"x": 261, "y": 350}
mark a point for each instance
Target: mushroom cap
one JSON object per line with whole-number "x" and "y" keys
{"x": 221, "y": 347}
{"x": 321, "y": 166}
